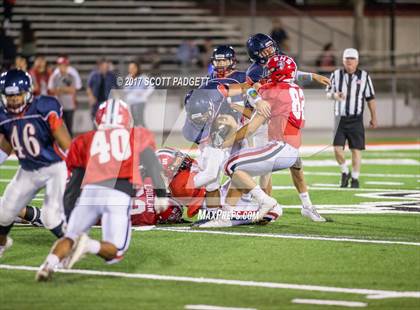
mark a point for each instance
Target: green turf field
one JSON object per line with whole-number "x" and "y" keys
{"x": 368, "y": 252}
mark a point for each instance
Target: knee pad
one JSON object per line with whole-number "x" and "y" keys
{"x": 4, "y": 230}
{"x": 7, "y": 215}
{"x": 51, "y": 218}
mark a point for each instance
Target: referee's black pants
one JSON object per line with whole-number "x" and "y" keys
{"x": 352, "y": 130}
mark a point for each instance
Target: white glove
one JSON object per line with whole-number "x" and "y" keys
{"x": 161, "y": 204}
{"x": 252, "y": 96}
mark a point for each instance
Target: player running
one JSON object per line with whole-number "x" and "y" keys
{"x": 33, "y": 128}
{"x": 111, "y": 157}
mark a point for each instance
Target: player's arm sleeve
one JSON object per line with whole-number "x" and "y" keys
{"x": 73, "y": 190}
{"x": 304, "y": 76}
{"x": 211, "y": 171}
{"x": 153, "y": 169}
{"x": 370, "y": 91}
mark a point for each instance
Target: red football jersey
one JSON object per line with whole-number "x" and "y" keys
{"x": 110, "y": 154}
{"x": 182, "y": 189}
{"x": 287, "y": 117}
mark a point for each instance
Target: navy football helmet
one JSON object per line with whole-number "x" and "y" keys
{"x": 261, "y": 47}
{"x": 223, "y": 52}
{"x": 15, "y": 82}
{"x": 199, "y": 107}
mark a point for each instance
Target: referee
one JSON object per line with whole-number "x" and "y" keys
{"x": 350, "y": 88}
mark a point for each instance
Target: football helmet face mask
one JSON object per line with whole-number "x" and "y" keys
{"x": 261, "y": 47}
{"x": 173, "y": 161}
{"x": 199, "y": 107}
{"x": 113, "y": 113}
{"x": 281, "y": 69}
{"x": 223, "y": 60}
{"x": 16, "y": 90}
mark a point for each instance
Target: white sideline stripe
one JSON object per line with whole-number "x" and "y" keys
{"x": 343, "y": 303}
{"x": 280, "y": 236}
{"x": 281, "y": 187}
{"x": 384, "y": 183}
{"x": 373, "y": 294}
{"x": 376, "y": 161}
{"x": 208, "y": 307}
{"x": 373, "y": 175}
{"x": 325, "y": 184}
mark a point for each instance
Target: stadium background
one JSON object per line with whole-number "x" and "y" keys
{"x": 387, "y": 33}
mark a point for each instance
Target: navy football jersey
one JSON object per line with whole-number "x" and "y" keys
{"x": 196, "y": 133}
{"x": 30, "y": 132}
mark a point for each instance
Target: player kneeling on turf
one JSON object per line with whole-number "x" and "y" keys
{"x": 111, "y": 157}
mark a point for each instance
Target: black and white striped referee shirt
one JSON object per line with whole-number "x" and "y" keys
{"x": 357, "y": 88}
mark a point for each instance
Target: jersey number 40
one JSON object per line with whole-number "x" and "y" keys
{"x": 115, "y": 143}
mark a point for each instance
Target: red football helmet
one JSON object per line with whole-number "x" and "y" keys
{"x": 281, "y": 68}
{"x": 113, "y": 113}
{"x": 173, "y": 160}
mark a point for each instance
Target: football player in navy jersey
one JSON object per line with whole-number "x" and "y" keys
{"x": 33, "y": 128}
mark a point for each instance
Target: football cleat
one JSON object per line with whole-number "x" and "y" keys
{"x": 345, "y": 177}
{"x": 354, "y": 183}
{"x": 44, "y": 273}
{"x": 9, "y": 243}
{"x": 312, "y": 214}
{"x": 78, "y": 252}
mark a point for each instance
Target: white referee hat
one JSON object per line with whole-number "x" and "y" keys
{"x": 350, "y": 53}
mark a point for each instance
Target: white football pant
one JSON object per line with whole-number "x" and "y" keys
{"x": 26, "y": 184}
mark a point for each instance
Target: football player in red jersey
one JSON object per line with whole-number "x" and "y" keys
{"x": 111, "y": 157}
{"x": 285, "y": 101}
{"x": 180, "y": 170}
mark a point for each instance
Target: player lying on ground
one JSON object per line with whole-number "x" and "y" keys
{"x": 285, "y": 101}
{"x": 111, "y": 156}
{"x": 33, "y": 128}
{"x": 260, "y": 48}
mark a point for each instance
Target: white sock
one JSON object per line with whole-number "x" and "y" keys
{"x": 93, "y": 246}
{"x": 344, "y": 168}
{"x": 355, "y": 174}
{"x": 305, "y": 199}
{"x": 52, "y": 260}
{"x": 258, "y": 194}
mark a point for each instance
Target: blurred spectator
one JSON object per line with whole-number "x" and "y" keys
{"x": 137, "y": 92}
{"x": 21, "y": 63}
{"x": 205, "y": 50}
{"x": 280, "y": 36}
{"x": 40, "y": 75}
{"x": 7, "y": 12}
{"x": 64, "y": 84}
{"x": 101, "y": 81}
{"x": 326, "y": 62}
{"x": 27, "y": 41}
{"x": 7, "y": 50}
{"x": 187, "y": 54}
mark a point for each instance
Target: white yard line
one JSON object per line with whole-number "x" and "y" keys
{"x": 209, "y": 307}
{"x": 280, "y": 236}
{"x": 325, "y": 184}
{"x": 374, "y": 294}
{"x": 384, "y": 183}
{"x": 343, "y": 303}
